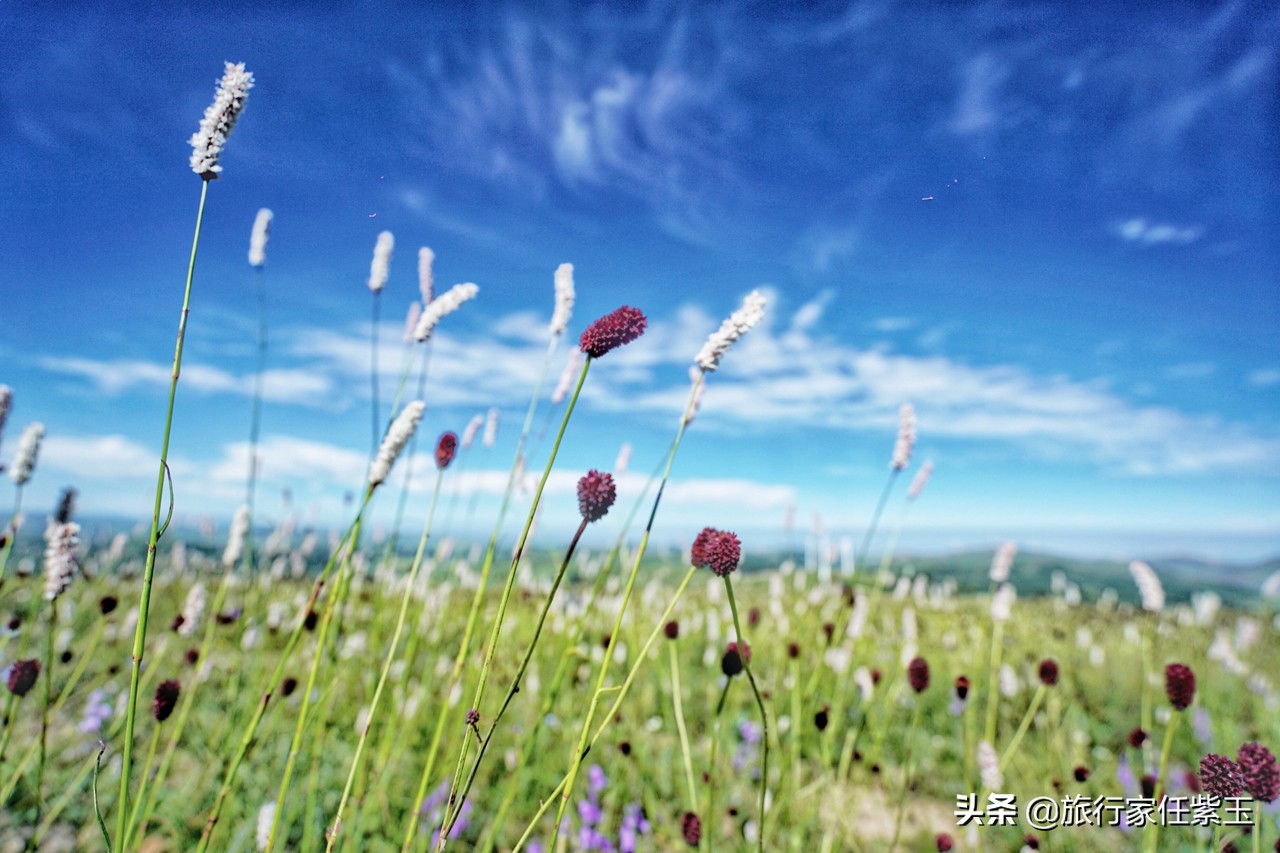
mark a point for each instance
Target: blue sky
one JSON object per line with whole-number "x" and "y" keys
{"x": 1050, "y": 228}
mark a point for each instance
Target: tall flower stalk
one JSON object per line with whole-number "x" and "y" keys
{"x": 707, "y": 360}
{"x": 379, "y": 269}
{"x": 446, "y": 447}
{"x": 257, "y": 260}
{"x": 398, "y": 437}
{"x": 207, "y": 144}
{"x": 392, "y": 446}
{"x": 24, "y": 463}
{"x": 426, "y": 325}
{"x": 901, "y": 458}
{"x": 606, "y": 334}
{"x": 596, "y": 494}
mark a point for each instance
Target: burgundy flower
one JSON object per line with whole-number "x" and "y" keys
{"x": 718, "y": 550}
{"x": 1048, "y": 672}
{"x": 691, "y": 827}
{"x": 822, "y": 719}
{"x": 731, "y": 663}
{"x": 596, "y": 493}
{"x": 1137, "y": 737}
{"x": 1261, "y": 776}
{"x": 166, "y": 698}
{"x": 1221, "y": 777}
{"x": 1148, "y": 784}
{"x": 612, "y": 331}
{"x": 22, "y": 676}
{"x": 918, "y": 674}
{"x": 671, "y": 629}
{"x": 793, "y": 650}
{"x": 107, "y": 604}
{"x": 962, "y": 687}
{"x": 1081, "y": 773}
{"x": 1179, "y": 685}
{"x": 446, "y": 447}
{"x": 944, "y": 843}
{"x": 473, "y": 718}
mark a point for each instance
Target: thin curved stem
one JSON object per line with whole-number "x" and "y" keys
{"x": 144, "y": 601}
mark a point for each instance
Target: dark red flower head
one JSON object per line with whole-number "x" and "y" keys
{"x": 166, "y": 698}
{"x": 612, "y": 331}
{"x": 731, "y": 663}
{"x": 671, "y": 629}
{"x": 691, "y": 827}
{"x": 718, "y": 550}
{"x": 1137, "y": 737}
{"x": 596, "y": 493}
{"x": 944, "y": 843}
{"x": 1179, "y": 685}
{"x": 1081, "y": 773}
{"x": 1221, "y": 777}
{"x": 446, "y": 447}
{"x": 22, "y": 676}
{"x": 1261, "y": 775}
{"x": 1048, "y": 672}
{"x": 918, "y": 674}
{"x": 962, "y": 687}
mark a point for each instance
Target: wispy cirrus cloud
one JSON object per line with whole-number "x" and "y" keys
{"x": 114, "y": 376}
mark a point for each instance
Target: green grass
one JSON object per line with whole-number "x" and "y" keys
{"x": 821, "y": 795}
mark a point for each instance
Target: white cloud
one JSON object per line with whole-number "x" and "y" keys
{"x": 1264, "y": 378}
{"x": 100, "y": 457}
{"x": 1139, "y": 230}
{"x": 115, "y": 376}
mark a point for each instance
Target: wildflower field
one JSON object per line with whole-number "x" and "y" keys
{"x": 289, "y": 687}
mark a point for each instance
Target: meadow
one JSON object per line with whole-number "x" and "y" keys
{"x": 308, "y": 689}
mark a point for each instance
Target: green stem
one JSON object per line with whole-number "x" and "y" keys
{"x": 764, "y": 715}
{"x": 1022, "y": 727}
{"x": 144, "y": 601}
{"x": 386, "y": 664}
{"x": 44, "y": 715}
{"x": 413, "y": 818}
{"x": 993, "y": 681}
{"x": 680, "y": 728}
{"x": 255, "y": 420}
{"x": 906, "y": 780}
{"x": 295, "y": 746}
{"x": 251, "y": 730}
{"x": 1153, "y": 830}
{"x": 875, "y": 519}
{"x": 712, "y": 774}
{"x": 447, "y": 825}
{"x": 187, "y": 701}
{"x": 612, "y": 713}
{"x": 373, "y": 372}
{"x": 146, "y": 771}
{"x": 626, "y": 597}
{"x": 452, "y": 804}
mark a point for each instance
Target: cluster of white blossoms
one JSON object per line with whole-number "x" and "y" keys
{"x": 1003, "y": 562}
{"x": 380, "y": 267}
{"x": 258, "y": 239}
{"x": 398, "y": 435}
{"x": 906, "y": 437}
{"x": 236, "y": 537}
{"x": 442, "y": 307}
{"x": 207, "y": 142}
{"x": 24, "y": 460}
{"x": 922, "y": 477}
{"x": 735, "y": 326}
{"x": 1149, "y": 586}
{"x": 60, "y": 559}
{"x": 564, "y": 299}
